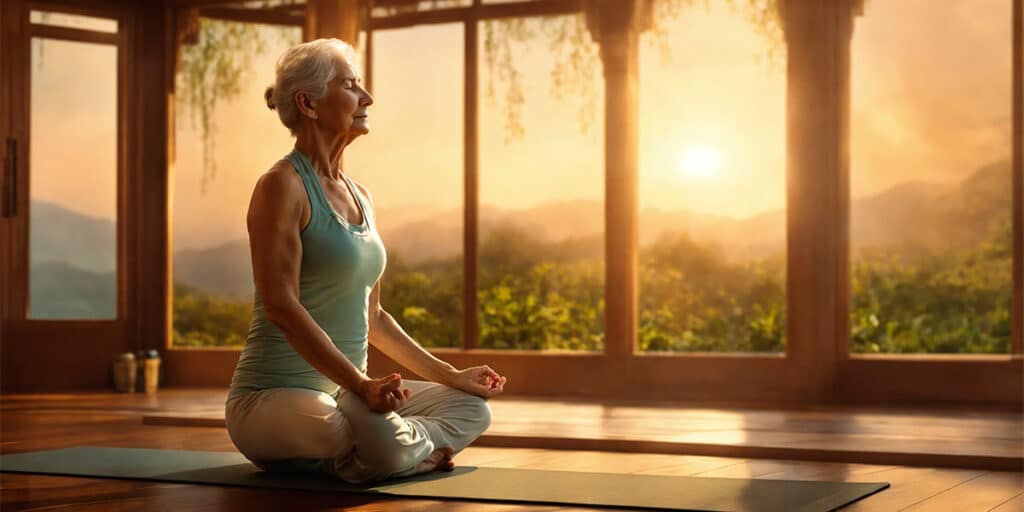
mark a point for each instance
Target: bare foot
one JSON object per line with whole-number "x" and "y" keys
{"x": 439, "y": 460}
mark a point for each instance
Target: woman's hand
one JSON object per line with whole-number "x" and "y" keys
{"x": 385, "y": 394}
{"x": 481, "y": 381}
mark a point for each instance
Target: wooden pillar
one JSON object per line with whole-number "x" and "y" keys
{"x": 1017, "y": 331}
{"x": 616, "y": 25}
{"x": 152, "y": 137}
{"x": 818, "y": 34}
{"x": 334, "y": 18}
{"x": 471, "y": 189}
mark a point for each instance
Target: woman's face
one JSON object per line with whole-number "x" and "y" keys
{"x": 344, "y": 108}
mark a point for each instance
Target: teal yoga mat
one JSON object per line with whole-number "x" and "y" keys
{"x": 466, "y": 482}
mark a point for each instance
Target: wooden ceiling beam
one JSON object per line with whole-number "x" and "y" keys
{"x": 290, "y": 17}
{"x": 481, "y": 12}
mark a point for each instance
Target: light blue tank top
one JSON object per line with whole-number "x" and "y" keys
{"x": 340, "y": 264}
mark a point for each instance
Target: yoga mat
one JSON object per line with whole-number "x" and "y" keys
{"x": 466, "y": 482}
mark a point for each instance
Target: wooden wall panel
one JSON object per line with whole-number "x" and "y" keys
{"x": 884, "y": 379}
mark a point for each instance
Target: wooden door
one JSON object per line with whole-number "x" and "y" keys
{"x": 66, "y": 290}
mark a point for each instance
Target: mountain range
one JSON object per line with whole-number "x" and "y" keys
{"x": 915, "y": 216}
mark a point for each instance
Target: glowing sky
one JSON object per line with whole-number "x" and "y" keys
{"x": 930, "y": 100}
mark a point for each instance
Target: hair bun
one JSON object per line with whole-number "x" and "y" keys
{"x": 268, "y": 95}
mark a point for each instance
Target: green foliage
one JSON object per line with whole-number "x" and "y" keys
{"x": 692, "y": 300}
{"x": 425, "y": 300}
{"x": 537, "y": 295}
{"x": 207, "y": 320}
{"x": 552, "y": 306}
{"x": 958, "y": 302}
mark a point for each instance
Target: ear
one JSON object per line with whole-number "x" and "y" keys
{"x": 305, "y": 106}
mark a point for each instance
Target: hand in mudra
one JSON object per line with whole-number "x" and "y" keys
{"x": 384, "y": 394}
{"x": 481, "y": 381}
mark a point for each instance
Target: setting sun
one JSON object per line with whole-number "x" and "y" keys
{"x": 700, "y": 162}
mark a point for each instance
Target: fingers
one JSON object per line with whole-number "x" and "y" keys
{"x": 388, "y": 402}
{"x": 491, "y": 373}
{"x": 498, "y": 386}
{"x": 387, "y": 393}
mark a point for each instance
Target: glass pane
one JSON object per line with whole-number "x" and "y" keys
{"x": 412, "y": 164}
{"x": 215, "y": 172}
{"x": 930, "y": 180}
{"x": 59, "y": 19}
{"x": 541, "y": 283}
{"x": 712, "y": 182}
{"x": 73, "y": 234}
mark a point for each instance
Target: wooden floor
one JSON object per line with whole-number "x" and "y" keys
{"x": 955, "y": 438}
{"x": 36, "y": 422}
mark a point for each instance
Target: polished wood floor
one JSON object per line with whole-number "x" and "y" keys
{"x": 957, "y": 438}
{"x": 36, "y": 422}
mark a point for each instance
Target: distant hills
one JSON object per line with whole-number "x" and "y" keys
{"x": 60, "y": 234}
{"x": 63, "y": 291}
{"x": 912, "y": 217}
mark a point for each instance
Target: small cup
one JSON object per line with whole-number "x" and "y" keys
{"x": 151, "y": 372}
{"x": 124, "y": 370}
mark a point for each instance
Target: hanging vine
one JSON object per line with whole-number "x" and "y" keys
{"x": 212, "y": 71}
{"x": 213, "y": 68}
{"x": 577, "y": 60}
{"x": 762, "y": 15}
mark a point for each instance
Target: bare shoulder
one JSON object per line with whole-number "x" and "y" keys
{"x": 279, "y": 191}
{"x": 281, "y": 181}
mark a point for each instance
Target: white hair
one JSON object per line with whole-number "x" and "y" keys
{"x": 306, "y": 67}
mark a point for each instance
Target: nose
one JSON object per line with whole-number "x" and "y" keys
{"x": 367, "y": 99}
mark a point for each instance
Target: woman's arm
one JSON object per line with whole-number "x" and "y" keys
{"x": 392, "y": 340}
{"x": 388, "y": 336}
{"x": 274, "y": 221}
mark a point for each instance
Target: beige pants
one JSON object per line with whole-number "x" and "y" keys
{"x": 299, "y": 429}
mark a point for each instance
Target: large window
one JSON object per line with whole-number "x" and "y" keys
{"x": 930, "y": 243}
{"x": 225, "y": 139}
{"x": 73, "y": 236}
{"x": 541, "y": 277}
{"x": 712, "y": 183}
{"x": 489, "y": 130}
{"x": 412, "y": 164}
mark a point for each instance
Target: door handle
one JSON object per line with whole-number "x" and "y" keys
{"x": 10, "y": 178}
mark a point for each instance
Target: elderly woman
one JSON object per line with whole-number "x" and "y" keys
{"x": 300, "y": 398}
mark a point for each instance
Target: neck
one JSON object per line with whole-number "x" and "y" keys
{"x": 323, "y": 152}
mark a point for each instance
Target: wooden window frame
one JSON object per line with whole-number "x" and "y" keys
{"x": 817, "y": 367}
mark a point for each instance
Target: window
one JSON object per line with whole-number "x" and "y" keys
{"x": 412, "y": 164}
{"x": 712, "y": 126}
{"x": 214, "y": 174}
{"x": 541, "y": 281}
{"x": 73, "y": 236}
{"x": 930, "y": 178}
